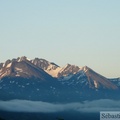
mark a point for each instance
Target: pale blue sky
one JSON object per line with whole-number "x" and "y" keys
{"x": 81, "y": 32}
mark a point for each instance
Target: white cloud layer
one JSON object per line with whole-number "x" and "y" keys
{"x": 39, "y": 106}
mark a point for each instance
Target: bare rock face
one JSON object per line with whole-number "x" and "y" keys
{"x": 96, "y": 80}
{"x": 22, "y": 68}
{"x": 44, "y": 70}
{"x": 42, "y": 80}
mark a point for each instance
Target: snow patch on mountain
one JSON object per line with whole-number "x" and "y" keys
{"x": 53, "y": 72}
{"x": 9, "y": 65}
{"x": 18, "y": 69}
{"x": 3, "y": 64}
{"x": 3, "y": 74}
{"x": 17, "y": 75}
{"x": 95, "y": 83}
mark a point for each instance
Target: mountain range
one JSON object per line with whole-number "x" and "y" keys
{"x": 40, "y": 79}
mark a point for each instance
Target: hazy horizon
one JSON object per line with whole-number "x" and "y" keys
{"x": 76, "y": 32}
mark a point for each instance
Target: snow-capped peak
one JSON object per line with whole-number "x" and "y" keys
{"x": 3, "y": 65}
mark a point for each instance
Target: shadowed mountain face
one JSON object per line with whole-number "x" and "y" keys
{"x": 96, "y": 80}
{"x": 40, "y": 79}
{"x": 87, "y": 78}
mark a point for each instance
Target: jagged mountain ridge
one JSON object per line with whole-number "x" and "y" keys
{"x": 42, "y": 80}
{"x": 51, "y": 68}
{"x": 86, "y": 77}
{"x": 99, "y": 80}
{"x": 22, "y": 68}
{"x": 70, "y": 74}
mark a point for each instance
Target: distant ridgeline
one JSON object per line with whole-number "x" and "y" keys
{"x": 42, "y": 80}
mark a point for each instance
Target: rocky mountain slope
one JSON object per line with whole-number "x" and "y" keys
{"x": 40, "y": 79}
